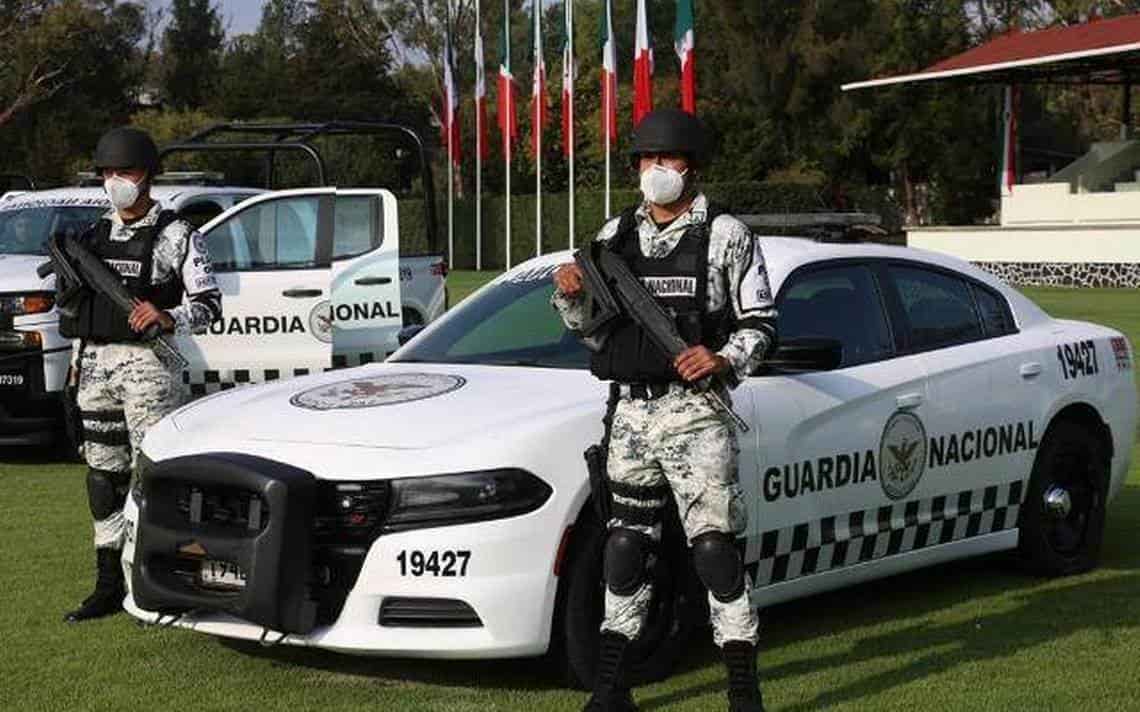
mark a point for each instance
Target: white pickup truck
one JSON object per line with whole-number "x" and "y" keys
{"x": 311, "y": 280}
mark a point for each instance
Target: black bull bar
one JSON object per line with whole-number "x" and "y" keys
{"x": 248, "y": 517}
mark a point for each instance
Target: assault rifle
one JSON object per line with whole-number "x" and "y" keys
{"x": 77, "y": 268}
{"x": 608, "y": 278}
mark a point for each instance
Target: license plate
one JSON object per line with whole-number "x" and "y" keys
{"x": 221, "y": 574}
{"x": 11, "y": 379}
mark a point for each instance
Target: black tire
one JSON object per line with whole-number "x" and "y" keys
{"x": 1072, "y": 463}
{"x": 677, "y": 610}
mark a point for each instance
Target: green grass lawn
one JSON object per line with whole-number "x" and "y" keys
{"x": 973, "y": 635}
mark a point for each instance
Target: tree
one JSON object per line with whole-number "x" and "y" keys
{"x": 191, "y": 53}
{"x": 70, "y": 69}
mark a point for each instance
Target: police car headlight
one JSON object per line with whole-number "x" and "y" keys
{"x": 463, "y": 498}
{"x": 21, "y": 304}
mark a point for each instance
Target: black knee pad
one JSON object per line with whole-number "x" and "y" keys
{"x": 626, "y": 559}
{"x": 106, "y": 492}
{"x": 719, "y": 565}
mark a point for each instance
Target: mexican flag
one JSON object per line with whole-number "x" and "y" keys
{"x": 609, "y": 74}
{"x": 642, "y": 67}
{"x": 508, "y": 121}
{"x": 1009, "y": 139}
{"x": 450, "y": 125}
{"x": 683, "y": 43}
{"x": 483, "y": 146}
{"x": 540, "y": 117}
{"x": 568, "y": 72}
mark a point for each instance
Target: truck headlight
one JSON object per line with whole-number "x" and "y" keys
{"x": 21, "y": 304}
{"x": 463, "y": 498}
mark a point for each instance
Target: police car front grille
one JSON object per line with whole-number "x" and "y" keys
{"x": 404, "y": 612}
{"x": 227, "y": 507}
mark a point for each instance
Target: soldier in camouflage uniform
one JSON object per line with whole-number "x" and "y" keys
{"x": 706, "y": 268}
{"x": 124, "y": 385}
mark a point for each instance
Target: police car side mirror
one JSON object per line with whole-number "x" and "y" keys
{"x": 806, "y": 354}
{"x": 405, "y": 335}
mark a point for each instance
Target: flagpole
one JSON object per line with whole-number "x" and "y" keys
{"x": 570, "y": 112}
{"x": 479, "y": 156}
{"x": 507, "y": 132}
{"x": 450, "y": 155}
{"x": 606, "y": 100}
{"x": 537, "y": 118}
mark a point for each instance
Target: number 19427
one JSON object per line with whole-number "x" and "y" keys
{"x": 433, "y": 563}
{"x": 1078, "y": 359}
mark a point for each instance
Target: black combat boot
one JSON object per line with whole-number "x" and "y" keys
{"x": 611, "y": 693}
{"x": 743, "y": 684}
{"x": 109, "y": 588}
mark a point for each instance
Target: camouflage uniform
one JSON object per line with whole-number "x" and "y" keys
{"x": 680, "y": 439}
{"x": 124, "y": 388}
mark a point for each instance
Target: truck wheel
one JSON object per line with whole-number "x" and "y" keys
{"x": 674, "y": 614}
{"x": 1062, "y": 519}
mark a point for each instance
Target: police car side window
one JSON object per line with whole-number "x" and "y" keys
{"x": 275, "y": 234}
{"x": 357, "y": 225}
{"x": 840, "y": 302}
{"x": 996, "y": 317}
{"x": 938, "y": 306}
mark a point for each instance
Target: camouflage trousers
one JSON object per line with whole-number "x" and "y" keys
{"x": 682, "y": 441}
{"x": 123, "y": 390}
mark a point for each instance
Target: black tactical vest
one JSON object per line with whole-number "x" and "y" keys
{"x": 679, "y": 282}
{"x": 97, "y": 318}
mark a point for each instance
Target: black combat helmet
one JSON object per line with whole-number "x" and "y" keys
{"x": 672, "y": 131}
{"x": 126, "y": 147}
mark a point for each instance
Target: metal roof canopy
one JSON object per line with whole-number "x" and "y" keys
{"x": 1098, "y": 52}
{"x": 295, "y": 137}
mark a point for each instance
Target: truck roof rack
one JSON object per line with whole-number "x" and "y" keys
{"x": 271, "y": 137}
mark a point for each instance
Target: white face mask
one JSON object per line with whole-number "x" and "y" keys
{"x": 662, "y": 185}
{"x": 123, "y": 191}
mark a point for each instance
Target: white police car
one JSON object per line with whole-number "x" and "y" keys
{"x": 437, "y": 505}
{"x": 311, "y": 279}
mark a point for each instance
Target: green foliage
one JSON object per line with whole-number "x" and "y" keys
{"x": 68, "y": 72}
{"x": 191, "y": 53}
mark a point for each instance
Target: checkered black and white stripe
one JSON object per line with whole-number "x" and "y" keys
{"x": 866, "y": 535}
{"x": 204, "y": 383}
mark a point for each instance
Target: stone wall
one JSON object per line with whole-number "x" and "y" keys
{"x": 1066, "y": 274}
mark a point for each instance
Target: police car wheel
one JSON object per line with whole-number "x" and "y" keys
{"x": 1063, "y": 515}
{"x": 678, "y": 607}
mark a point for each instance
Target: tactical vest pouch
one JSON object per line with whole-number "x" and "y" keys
{"x": 230, "y": 533}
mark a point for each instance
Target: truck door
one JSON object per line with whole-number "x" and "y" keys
{"x": 366, "y": 308}
{"x": 271, "y": 258}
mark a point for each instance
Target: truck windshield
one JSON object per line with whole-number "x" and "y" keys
{"x": 23, "y": 231}
{"x": 510, "y": 323}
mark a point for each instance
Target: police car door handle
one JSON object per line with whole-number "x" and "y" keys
{"x": 299, "y": 293}
{"x": 909, "y": 400}
{"x": 371, "y": 281}
{"x": 1030, "y": 369}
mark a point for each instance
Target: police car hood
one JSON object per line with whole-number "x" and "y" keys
{"x": 18, "y": 274}
{"x": 397, "y": 405}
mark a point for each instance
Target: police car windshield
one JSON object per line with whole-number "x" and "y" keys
{"x": 23, "y": 231}
{"x": 511, "y": 323}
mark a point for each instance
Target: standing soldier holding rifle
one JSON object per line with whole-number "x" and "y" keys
{"x": 667, "y": 435}
{"x": 127, "y": 383}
